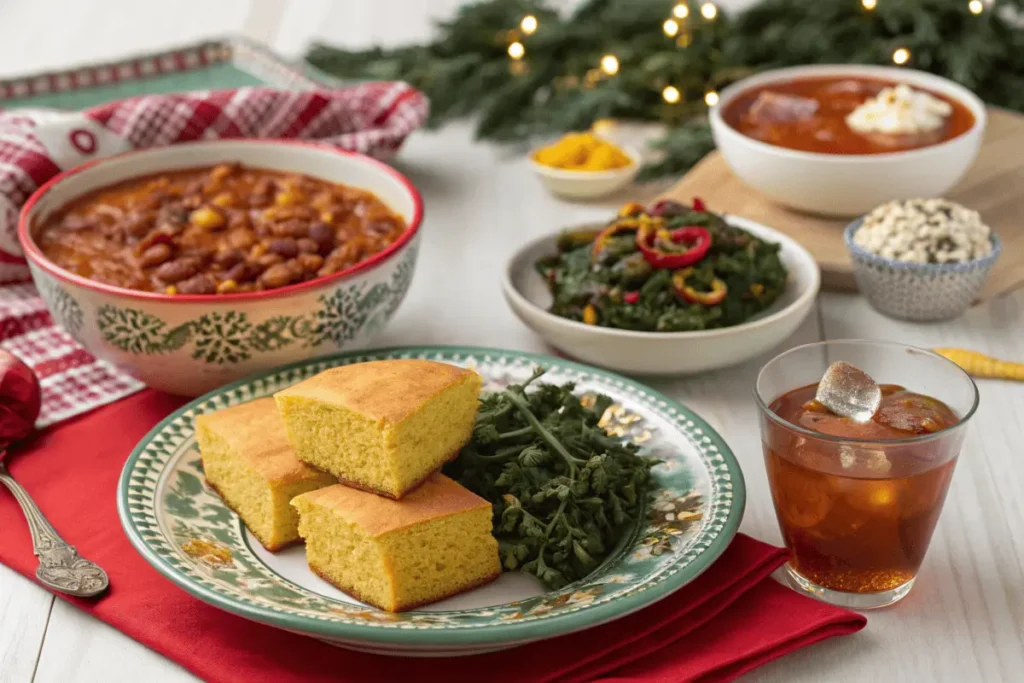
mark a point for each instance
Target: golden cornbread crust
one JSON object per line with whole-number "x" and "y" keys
{"x": 405, "y": 608}
{"x": 385, "y": 391}
{"x": 257, "y": 433}
{"x": 438, "y": 496}
{"x": 272, "y": 547}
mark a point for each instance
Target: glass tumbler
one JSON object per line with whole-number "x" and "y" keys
{"x": 857, "y": 515}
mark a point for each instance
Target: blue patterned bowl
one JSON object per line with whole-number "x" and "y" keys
{"x": 918, "y": 291}
{"x": 191, "y": 344}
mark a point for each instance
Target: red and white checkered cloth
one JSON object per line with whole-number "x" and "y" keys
{"x": 36, "y": 144}
{"x": 72, "y": 380}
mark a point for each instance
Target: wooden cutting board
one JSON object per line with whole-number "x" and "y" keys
{"x": 994, "y": 186}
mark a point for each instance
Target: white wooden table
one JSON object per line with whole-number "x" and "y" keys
{"x": 963, "y": 622}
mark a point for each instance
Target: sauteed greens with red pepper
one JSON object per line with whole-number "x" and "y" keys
{"x": 670, "y": 268}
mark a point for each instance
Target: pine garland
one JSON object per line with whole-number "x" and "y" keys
{"x": 558, "y": 84}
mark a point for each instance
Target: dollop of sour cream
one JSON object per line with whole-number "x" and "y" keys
{"x": 899, "y": 110}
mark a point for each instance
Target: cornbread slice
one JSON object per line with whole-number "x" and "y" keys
{"x": 247, "y": 459}
{"x": 399, "y": 554}
{"x": 382, "y": 426}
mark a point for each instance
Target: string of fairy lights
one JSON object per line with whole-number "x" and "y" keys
{"x": 676, "y": 26}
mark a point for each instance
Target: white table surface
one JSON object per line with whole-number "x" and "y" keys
{"x": 964, "y": 621}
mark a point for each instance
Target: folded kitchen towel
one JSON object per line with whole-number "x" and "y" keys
{"x": 729, "y": 620}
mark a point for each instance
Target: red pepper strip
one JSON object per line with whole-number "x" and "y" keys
{"x": 631, "y": 297}
{"x": 688, "y": 293}
{"x": 621, "y": 225}
{"x": 698, "y": 237}
{"x": 698, "y": 204}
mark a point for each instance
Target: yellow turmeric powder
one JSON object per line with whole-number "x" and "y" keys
{"x": 980, "y": 365}
{"x": 582, "y": 152}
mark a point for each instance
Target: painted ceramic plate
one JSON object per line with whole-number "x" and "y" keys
{"x": 187, "y": 533}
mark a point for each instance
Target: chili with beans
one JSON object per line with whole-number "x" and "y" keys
{"x": 218, "y": 230}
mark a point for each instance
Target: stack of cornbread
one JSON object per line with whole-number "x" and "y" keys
{"x": 394, "y": 532}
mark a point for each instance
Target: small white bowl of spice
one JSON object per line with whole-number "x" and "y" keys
{"x": 585, "y": 166}
{"x": 921, "y": 259}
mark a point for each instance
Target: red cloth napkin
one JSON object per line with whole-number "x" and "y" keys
{"x": 730, "y": 620}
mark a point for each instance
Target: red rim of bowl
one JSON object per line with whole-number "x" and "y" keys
{"x": 34, "y": 254}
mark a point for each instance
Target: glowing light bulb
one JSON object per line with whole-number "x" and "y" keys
{"x": 610, "y": 64}
{"x": 711, "y": 98}
{"x": 708, "y": 11}
{"x": 869, "y": 4}
{"x": 670, "y": 94}
{"x": 680, "y": 11}
{"x": 671, "y": 27}
{"x": 976, "y": 6}
{"x": 516, "y": 50}
{"x": 528, "y": 24}
{"x": 901, "y": 55}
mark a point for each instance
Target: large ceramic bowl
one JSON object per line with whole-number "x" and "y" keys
{"x": 192, "y": 344}
{"x": 848, "y": 184}
{"x": 664, "y": 353}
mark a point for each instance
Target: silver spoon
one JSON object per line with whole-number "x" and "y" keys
{"x": 60, "y": 566}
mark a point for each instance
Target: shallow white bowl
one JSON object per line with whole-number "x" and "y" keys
{"x": 189, "y": 345}
{"x": 588, "y": 184}
{"x": 664, "y": 353}
{"x": 848, "y": 184}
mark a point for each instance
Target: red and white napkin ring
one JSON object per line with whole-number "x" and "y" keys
{"x": 36, "y": 144}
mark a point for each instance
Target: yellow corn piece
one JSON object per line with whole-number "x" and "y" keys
{"x": 980, "y": 365}
{"x": 206, "y": 217}
{"x": 590, "y": 314}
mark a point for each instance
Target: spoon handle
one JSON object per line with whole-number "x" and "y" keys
{"x": 60, "y": 566}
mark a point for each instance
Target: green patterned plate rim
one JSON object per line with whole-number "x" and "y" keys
{"x": 692, "y": 514}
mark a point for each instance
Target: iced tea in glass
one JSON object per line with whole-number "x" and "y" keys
{"x": 857, "y": 502}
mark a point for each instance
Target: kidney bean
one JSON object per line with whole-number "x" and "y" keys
{"x": 277, "y": 275}
{"x": 241, "y": 238}
{"x": 227, "y": 258}
{"x": 285, "y": 246}
{"x": 155, "y": 255}
{"x": 177, "y": 270}
{"x": 310, "y": 262}
{"x": 268, "y": 259}
{"x": 323, "y": 235}
{"x": 198, "y": 284}
{"x": 158, "y": 236}
{"x": 307, "y": 245}
{"x": 241, "y": 272}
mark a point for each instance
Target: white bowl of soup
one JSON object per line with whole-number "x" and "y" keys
{"x": 789, "y": 134}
